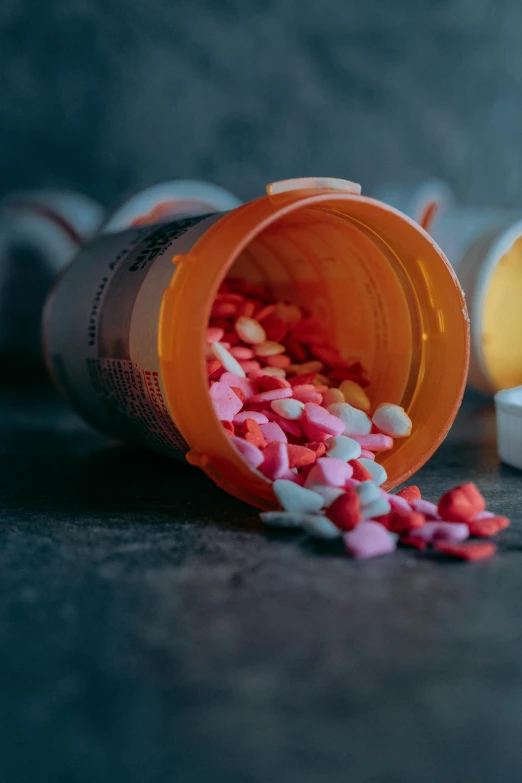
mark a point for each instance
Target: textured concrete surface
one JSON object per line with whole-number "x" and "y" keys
{"x": 151, "y": 631}
{"x": 107, "y": 96}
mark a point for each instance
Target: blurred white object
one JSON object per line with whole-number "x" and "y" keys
{"x": 177, "y": 198}
{"x": 485, "y": 248}
{"x": 508, "y": 404}
{"x": 40, "y": 232}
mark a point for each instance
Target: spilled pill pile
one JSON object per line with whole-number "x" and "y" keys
{"x": 298, "y": 412}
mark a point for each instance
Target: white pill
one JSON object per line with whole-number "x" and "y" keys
{"x": 376, "y": 509}
{"x": 375, "y": 470}
{"x": 250, "y": 331}
{"x": 355, "y": 422}
{"x": 227, "y": 360}
{"x": 332, "y": 395}
{"x": 392, "y": 420}
{"x": 288, "y": 409}
{"x": 329, "y": 494}
{"x": 342, "y": 447}
{"x": 295, "y": 498}
{"x": 355, "y": 395}
{"x": 368, "y": 491}
{"x": 319, "y": 527}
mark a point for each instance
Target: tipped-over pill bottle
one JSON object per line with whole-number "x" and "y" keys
{"x": 125, "y": 327}
{"x": 484, "y": 245}
{"x": 40, "y": 232}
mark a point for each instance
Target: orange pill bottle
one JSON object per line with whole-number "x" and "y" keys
{"x": 124, "y": 328}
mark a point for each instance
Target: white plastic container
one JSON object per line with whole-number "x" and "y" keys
{"x": 168, "y": 200}
{"x": 508, "y": 404}
{"x": 485, "y": 248}
{"x": 40, "y": 232}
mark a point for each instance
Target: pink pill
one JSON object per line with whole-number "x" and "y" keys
{"x": 351, "y": 483}
{"x": 272, "y": 394}
{"x": 251, "y": 454}
{"x": 443, "y": 531}
{"x": 244, "y": 415}
{"x": 374, "y": 441}
{"x": 397, "y": 503}
{"x": 214, "y": 334}
{"x": 276, "y": 463}
{"x": 249, "y": 365}
{"x": 323, "y": 420}
{"x": 307, "y": 393}
{"x": 293, "y": 475}
{"x": 368, "y": 539}
{"x": 429, "y": 510}
{"x": 226, "y": 403}
{"x": 273, "y": 432}
{"x": 288, "y": 426}
{"x": 240, "y": 352}
{"x": 330, "y": 471}
{"x": 312, "y": 432}
{"x": 367, "y": 454}
{"x": 483, "y": 515}
{"x": 244, "y": 384}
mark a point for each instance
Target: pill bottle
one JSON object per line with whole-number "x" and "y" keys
{"x": 125, "y": 326}
{"x": 174, "y": 198}
{"x": 484, "y": 245}
{"x": 40, "y": 232}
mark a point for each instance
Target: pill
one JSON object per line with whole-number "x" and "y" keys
{"x": 404, "y": 522}
{"x": 328, "y": 470}
{"x": 269, "y": 348}
{"x": 479, "y": 551}
{"x": 250, "y": 331}
{"x": 368, "y": 539}
{"x": 227, "y": 360}
{"x": 345, "y": 511}
{"x": 241, "y": 417}
{"x": 265, "y": 312}
{"x": 275, "y": 460}
{"x": 320, "y": 527}
{"x": 392, "y": 420}
{"x": 271, "y": 394}
{"x": 250, "y": 365}
{"x": 331, "y": 396}
{"x": 316, "y": 446}
{"x": 376, "y": 471}
{"x": 288, "y": 313}
{"x": 279, "y": 361}
{"x": 443, "y": 531}
{"x": 487, "y": 526}
{"x": 291, "y": 427}
{"x": 305, "y": 368}
{"x": 374, "y": 441}
{"x": 233, "y": 380}
{"x": 355, "y": 395}
{"x": 241, "y": 352}
{"x": 299, "y": 456}
{"x": 322, "y": 419}
{"x": 281, "y": 519}
{"x": 368, "y": 491}
{"x": 214, "y": 334}
{"x": 288, "y": 409}
{"x": 267, "y": 382}
{"x": 307, "y": 393}
{"x": 250, "y": 453}
{"x": 461, "y": 503}
{"x": 295, "y": 498}
{"x": 342, "y": 447}
{"x": 329, "y": 494}
{"x": 376, "y": 508}
{"x": 359, "y": 471}
{"x": 397, "y": 502}
{"x": 368, "y": 454}
{"x": 226, "y": 403}
{"x": 355, "y": 422}
{"x": 425, "y": 507}
{"x": 412, "y": 492}
{"x": 273, "y": 432}
{"x": 275, "y": 372}
{"x": 252, "y": 433}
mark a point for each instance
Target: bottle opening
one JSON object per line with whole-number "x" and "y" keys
{"x": 382, "y": 291}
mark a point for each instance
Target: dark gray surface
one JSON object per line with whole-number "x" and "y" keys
{"x": 150, "y": 631}
{"x": 108, "y": 95}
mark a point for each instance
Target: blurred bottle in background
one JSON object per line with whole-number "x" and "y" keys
{"x": 40, "y": 232}
{"x": 484, "y": 246}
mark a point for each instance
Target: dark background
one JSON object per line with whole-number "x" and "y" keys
{"x": 108, "y": 95}
{"x": 150, "y": 631}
